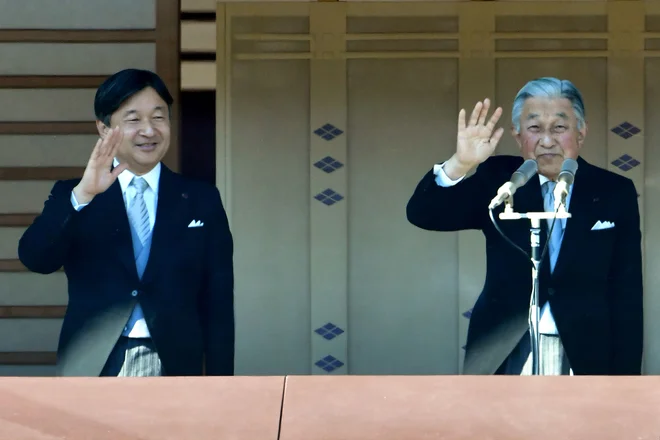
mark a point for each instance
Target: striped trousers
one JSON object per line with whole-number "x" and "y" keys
{"x": 553, "y": 357}
{"x": 133, "y": 357}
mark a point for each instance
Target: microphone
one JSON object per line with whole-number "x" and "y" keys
{"x": 519, "y": 178}
{"x": 564, "y": 180}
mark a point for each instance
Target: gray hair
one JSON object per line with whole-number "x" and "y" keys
{"x": 548, "y": 87}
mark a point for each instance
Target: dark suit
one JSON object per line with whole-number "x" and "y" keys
{"x": 595, "y": 291}
{"x": 186, "y": 292}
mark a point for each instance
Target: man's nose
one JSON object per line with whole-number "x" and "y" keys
{"x": 546, "y": 141}
{"x": 147, "y": 130}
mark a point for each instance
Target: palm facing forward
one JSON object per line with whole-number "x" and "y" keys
{"x": 476, "y": 141}
{"x": 98, "y": 175}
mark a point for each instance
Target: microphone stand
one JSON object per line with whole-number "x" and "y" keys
{"x": 535, "y": 241}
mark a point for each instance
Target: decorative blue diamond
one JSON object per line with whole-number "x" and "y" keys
{"x": 329, "y": 197}
{"x": 468, "y": 314}
{"x": 329, "y": 331}
{"x": 328, "y": 164}
{"x": 329, "y": 363}
{"x": 626, "y": 130}
{"x": 328, "y": 132}
{"x": 625, "y": 162}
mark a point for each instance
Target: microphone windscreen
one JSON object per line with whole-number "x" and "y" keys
{"x": 569, "y": 166}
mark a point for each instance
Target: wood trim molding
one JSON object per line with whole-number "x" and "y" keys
{"x": 16, "y": 220}
{"x": 32, "y": 312}
{"x": 206, "y": 16}
{"x": 46, "y": 127}
{"x": 77, "y": 36}
{"x": 51, "y": 82}
{"x": 14, "y": 266}
{"x": 40, "y": 173}
{"x": 28, "y": 358}
{"x": 168, "y": 30}
{"x": 198, "y": 57}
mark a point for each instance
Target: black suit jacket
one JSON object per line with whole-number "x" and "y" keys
{"x": 186, "y": 291}
{"x": 595, "y": 289}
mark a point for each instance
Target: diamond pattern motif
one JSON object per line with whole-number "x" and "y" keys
{"x": 329, "y": 363}
{"x": 328, "y": 132}
{"x": 329, "y": 197}
{"x": 626, "y": 130}
{"x": 329, "y": 331}
{"x": 328, "y": 164}
{"x": 468, "y": 314}
{"x": 625, "y": 162}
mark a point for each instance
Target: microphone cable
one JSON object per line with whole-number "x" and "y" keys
{"x": 510, "y": 242}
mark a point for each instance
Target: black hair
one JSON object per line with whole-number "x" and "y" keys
{"x": 122, "y": 85}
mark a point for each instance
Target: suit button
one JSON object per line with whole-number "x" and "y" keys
{"x": 134, "y": 293}
{"x": 551, "y": 291}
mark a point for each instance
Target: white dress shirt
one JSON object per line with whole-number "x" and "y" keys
{"x": 136, "y": 327}
{"x": 547, "y": 324}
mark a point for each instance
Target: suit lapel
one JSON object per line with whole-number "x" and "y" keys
{"x": 170, "y": 219}
{"x": 526, "y": 199}
{"x": 529, "y": 199}
{"x": 112, "y": 206}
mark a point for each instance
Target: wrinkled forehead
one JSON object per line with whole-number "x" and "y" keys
{"x": 548, "y": 109}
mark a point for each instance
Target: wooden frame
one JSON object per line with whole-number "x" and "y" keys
{"x": 478, "y": 43}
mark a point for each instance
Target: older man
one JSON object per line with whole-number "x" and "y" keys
{"x": 591, "y": 280}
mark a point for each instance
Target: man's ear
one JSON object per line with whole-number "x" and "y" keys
{"x": 516, "y": 136}
{"x": 102, "y": 128}
{"x": 582, "y": 133}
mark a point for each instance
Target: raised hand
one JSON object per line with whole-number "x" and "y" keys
{"x": 98, "y": 175}
{"x": 477, "y": 141}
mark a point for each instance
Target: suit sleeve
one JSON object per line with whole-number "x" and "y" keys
{"x": 458, "y": 207}
{"x": 626, "y": 292}
{"x": 218, "y": 296}
{"x": 45, "y": 244}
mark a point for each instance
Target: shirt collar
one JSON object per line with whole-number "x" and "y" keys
{"x": 152, "y": 177}
{"x": 543, "y": 179}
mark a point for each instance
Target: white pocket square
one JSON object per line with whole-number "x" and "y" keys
{"x": 196, "y": 224}
{"x": 602, "y": 225}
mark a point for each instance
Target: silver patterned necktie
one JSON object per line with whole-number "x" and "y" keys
{"x": 138, "y": 216}
{"x": 137, "y": 212}
{"x": 554, "y": 243}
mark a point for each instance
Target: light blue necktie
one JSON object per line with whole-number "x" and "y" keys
{"x": 140, "y": 227}
{"x": 554, "y": 240}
